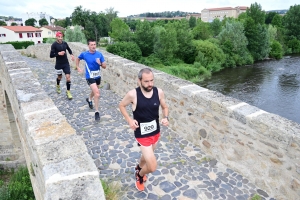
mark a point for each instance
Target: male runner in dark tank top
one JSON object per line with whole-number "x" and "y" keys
{"x": 145, "y": 101}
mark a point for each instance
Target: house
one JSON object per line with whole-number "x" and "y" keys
{"x": 50, "y": 31}
{"x": 208, "y": 15}
{"x": 20, "y": 33}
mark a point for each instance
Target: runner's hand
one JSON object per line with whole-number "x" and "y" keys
{"x": 165, "y": 122}
{"x": 79, "y": 70}
{"x": 133, "y": 124}
{"x": 72, "y": 58}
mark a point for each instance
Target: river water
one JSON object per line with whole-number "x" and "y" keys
{"x": 273, "y": 86}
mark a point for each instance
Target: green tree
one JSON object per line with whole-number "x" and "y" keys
{"x": 192, "y": 22}
{"x": 30, "y": 22}
{"x": 256, "y": 13}
{"x": 43, "y": 22}
{"x": 120, "y": 30}
{"x": 80, "y": 16}
{"x": 144, "y": 37}
{"x": 201, "y": 31}
{"x": 242, "y": 17}
{"x": 234, "y": 44}
{"x": 165, "y": 43}
{"x": 14, "y": 24}
{"x": 111, "y": 14}
{"x": 276, "y": 50}
{"x": 269, "y": 17}
{"x": 277, "y": 21}
{"x": 216, "y": 26}
{"x": 291, "y": 22}
{"x": 2, "y": 23}
{"x": 61, "y": 23}
{"x": 75, "y": 35}
{"x": 129, "y": 50}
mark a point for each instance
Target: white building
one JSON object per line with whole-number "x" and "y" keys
{"x": 37, "y": 16}
{"x": 209, "y": 14}
{"x": 50, "y": 31}
{"x": 20, "y": 33}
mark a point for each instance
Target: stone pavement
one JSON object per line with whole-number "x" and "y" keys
{"x": 184, "y": 171}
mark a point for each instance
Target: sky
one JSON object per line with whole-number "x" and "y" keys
{"x": 64, "y": 8}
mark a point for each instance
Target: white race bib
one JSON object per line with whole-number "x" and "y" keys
{"x": 148, "y": 127}
{"x": 95, "y": 74}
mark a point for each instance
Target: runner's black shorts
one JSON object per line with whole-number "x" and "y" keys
{"x": 91, "y": 81}
{"x": 63, "y": 68}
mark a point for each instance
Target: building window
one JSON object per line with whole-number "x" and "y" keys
{"x": 2, "y": 35}
{"x": 20, "y": 35}
{"x": 37, "y": 34}
{"x": 29, "y": 35}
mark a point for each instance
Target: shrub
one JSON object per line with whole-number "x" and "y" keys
{"x": 20, "y": 45}
{"x": 276, "y": 50}
{"x": 45, "y": 39}
{"x": 129, "y": 50}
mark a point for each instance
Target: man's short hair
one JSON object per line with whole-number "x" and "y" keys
{"x": 144, "y": 70}
{"x": 90, "y": 40}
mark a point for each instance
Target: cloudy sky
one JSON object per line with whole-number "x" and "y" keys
{"x": 64, "y": 8}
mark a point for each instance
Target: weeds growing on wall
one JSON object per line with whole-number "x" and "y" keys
{"x": 112, "y": 190}
{"x": 19, "y": 186}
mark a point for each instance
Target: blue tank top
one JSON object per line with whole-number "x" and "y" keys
{"x": 146, "y": 114}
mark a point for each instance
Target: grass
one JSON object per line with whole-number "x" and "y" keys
{"x": 112, "y": 190}
{"x": 256, "y": 197}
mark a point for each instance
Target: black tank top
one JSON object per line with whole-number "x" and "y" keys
{"x": 146, "y": 113}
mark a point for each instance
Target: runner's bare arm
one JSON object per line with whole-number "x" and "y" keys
{"x": 164, "y": 106}
{"x": 128, "y": 99}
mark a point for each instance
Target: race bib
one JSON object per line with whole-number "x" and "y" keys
{"x": 148, "y": 127}
{"x": 95, "y": 74}
{"x": 59, "y": 71}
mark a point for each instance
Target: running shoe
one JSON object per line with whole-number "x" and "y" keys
{"x": 69, "y": 95}
{"x": 58, "y": 89}
{"x": 139, "y": 183}
{"x": 90, "y": 103}
{"x": 137, "y": 169}
{"x": 97, "y": 116}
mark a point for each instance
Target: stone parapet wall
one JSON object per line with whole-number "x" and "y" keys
{"x": 57, "y": 159}
{"x": 264, "y": 147}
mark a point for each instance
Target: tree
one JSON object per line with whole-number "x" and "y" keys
{"x": 276, "y": 50}
{"x": 291, "y": 22}
{"x": 192, "y": 21}
{"x": 129, "y": 50}
{"x": 277, "y": 20}
{"x": 30, "y": 22}
{"x": 111, "y": 14}
{"x": 119, "y": 30}
{"x": 61, "y": 23}
{"x": 144, "y": 37}
{"x": 201, "y": 30}
{"x": 2, "y": 23}
{"x": 80, "y": 16}
{"x": 43, "y": 22}
{"x": 216, "y": 26}
{"x": 269, "y": 17}
{"x": 75, "y": 35}
{"x": 256, "y": 13}
{"x": 14, "y": 24}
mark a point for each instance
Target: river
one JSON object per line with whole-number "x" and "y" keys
{"x": 273, "y": 85}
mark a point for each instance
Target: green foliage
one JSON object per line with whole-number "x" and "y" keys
{"x": 20, "y": 45}
{"x": 62, "y": 23}
{"x": 216, "y": 26}
{"x": 209, "y": 55}
{"x": 132, "y": 23}
{"x": 277, "y": 21}
{"x": 256, "y": 13}
{"x": 201, "y": 31}
{"x": 30, "y": 22}
{"x": 112, "y": 191}
{"x": 45, "y": 40}
{"x": 269, "y": 17}
{"x": 120, "y": 31}
{"x": 14, "y": 24}
{"x": 192, "y": 22}
{"x": 165, "y": 43}
{"x": 50, "y": 40}
{"x": 19, "y": 187}
{"x": 272, "y": 32}
{"x": 242, "y": 17}
{"x": 129, "y": 50}
{"x": 276, "y": 50}
{"x": 234, "y": 44}
{"x": 43, "y": 22}
{"x": 144, "y": 37}
{"x": 74, "y": 35}
{"x": 256, "y": 197}
{"x": 291, "y": 22}
{"x": 184, "y": 71}
{"x": 294, "y": 45}
{"x": 2, "y": 23}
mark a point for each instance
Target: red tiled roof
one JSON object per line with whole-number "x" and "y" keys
{"x": 55, "y": 28}
{"x": 20, "y": 29}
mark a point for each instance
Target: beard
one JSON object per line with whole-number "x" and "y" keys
{"x": 147, "y": 89}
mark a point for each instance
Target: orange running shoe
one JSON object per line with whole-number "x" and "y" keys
{"x": 145, "y": 177}
{"x": 139, "y": 183}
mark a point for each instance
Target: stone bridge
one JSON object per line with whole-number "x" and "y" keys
{"x": 215, "y": 148}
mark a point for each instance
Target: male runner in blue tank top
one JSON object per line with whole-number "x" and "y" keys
{"x": 93, "y": 60}
{"x": 145, "y": 101}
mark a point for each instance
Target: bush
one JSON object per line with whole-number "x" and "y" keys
{"x": 129, "y": 50}
{"x": 294, "y": 45}
{"x": 19, "y": 187}
{"x": 276, "y": 50}
{"x": 20, "y": 45}
{"x": 45, "y": 39}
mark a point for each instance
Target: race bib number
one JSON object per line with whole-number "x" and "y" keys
{"x": 148, "y": 127}
{"x": 59, "y": 71}
{"x": 95, "y": 74}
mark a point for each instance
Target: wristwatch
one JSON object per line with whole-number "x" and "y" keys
{"x": 167, "y": 117}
